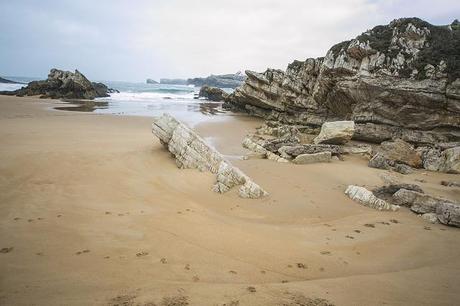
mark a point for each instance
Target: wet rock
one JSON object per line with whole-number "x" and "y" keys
{"x": 337, "y": 132}
{"x": 367, "y": 198}
{"x": 212, "y": 93}
{"x": 449, "y": 214}
{"x": 322, "y": 157}
{"x": 191, "y": 151}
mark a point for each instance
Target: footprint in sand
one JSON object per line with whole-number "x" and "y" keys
{"x": 164, "y": 261}
{"x": 39, "y": 254}
{"x": 120, "y": 215}
{"x": 325, "y": 253}
{"x": 195, "y": 278}
{"x": 6, "y": 250}
{"x": 427, "y": 228}
{"x": 30, "y": 220}
{"x": 108, "y": 213}
{"x": 357, "y": 231}
{"x": 59, "y": 216}
{"x": 369, "y": 225}
{"x": 301, "y": 265}
{"x": 394, "y": 221}
{"x": 349, "y": 237}
{"x": 39, "y": 218}
{"x": 263, "y": 271}
{"x": 284, "y": 281}
{"x": 106, "y": 257}
{"x": 321, "y": 269}
{"x": 142, "y": 253}
{"x": 16, "y": 219}
{"x": 187, "y": 267}
{"x": 384, "y": 223}
{"x": 232, "y": 272}
{"x": 251, "y": 289}
{"x": 82, "y": 252}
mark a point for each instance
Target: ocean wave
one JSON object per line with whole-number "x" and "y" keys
{"x": 151, "y": 96}
{"x": 10, "y": 87}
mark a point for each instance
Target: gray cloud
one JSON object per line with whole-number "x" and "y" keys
{"x": 121, "y": 40}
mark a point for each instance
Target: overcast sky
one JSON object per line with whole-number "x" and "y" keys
{"x": 134, "y": 40}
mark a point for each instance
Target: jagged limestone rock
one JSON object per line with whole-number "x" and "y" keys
{"x": 255, "y": 145}
{"x": 450, "y": 160}
{"x": 322, "y": 157}
{"x": 191, "y": 151}
{"x": 397, "y": 80}
{"x": 336, "y": 132}
{"x": 367, "y": 198}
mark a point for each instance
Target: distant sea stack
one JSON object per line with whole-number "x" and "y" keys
{"x": 221, "y": 81}
{"x": 63, "y": 84}
{"x": 151, "y": 81}
{"x": 396, "y": 80}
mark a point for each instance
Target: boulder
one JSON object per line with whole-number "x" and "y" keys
{"x": 403, "y": 169}
{"x": 367, "y": 198}
{"x": 418, "y": 202}
{"x": 292, "y": 151}
{"x": 450, "y": 160}
{"x": 386, "y": 192}
{"x": 191, "y": 151}
{"x": 322, "y": 157}
{"x": 400, "y": 151}
{"x": 254, "y": 144}
{"x": 449, "y": 214}
{"x": 337, "y": 132}
{"x": 151, "y": 81}
{"x": 212, "y": 93}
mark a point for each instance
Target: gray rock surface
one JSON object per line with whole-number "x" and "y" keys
{"x": 212, "y": 93}
{"x": 322, "y": 157}
{"x": 191, "y": 151}
{"x": 335, "y": 132}
{"x": 398, "y": 80}
{"x": 450, "y": 160}
{"x": 367, "y": 198}
{"x": 418, "y": 202}
{"x": 449, "y": 214}
{"x": 430, "y": 217}
{"x": 400, "y": 151}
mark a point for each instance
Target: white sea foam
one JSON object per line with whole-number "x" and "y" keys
{"x": 9, "y": 87}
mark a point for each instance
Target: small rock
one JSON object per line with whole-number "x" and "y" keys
{"x": 449, "y": 214}
{"x": 367, "y": 198}
{"x": 323, "y": 157}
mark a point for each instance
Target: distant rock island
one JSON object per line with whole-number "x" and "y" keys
{"x": 2, "y": 80}
{"x": 151, "y": 81}
{"x": 221, "y": 81}
{"x": 397, "y": 80}
{"x": 63, "y": 84}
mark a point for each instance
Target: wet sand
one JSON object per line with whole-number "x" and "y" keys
{"x": 96, "y": 213}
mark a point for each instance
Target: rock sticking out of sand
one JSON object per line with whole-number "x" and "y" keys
{"x": 191, "y": 151}
{"x": 367, "y": 198}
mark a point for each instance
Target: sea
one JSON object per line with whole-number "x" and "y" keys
{"x": 142, "y": 99}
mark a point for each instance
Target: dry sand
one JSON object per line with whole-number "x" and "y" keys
{"x": 97, "y": 213}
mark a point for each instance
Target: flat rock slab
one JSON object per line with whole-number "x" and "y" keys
{"x": 191, "y": 151}
{"x": 336, "y": 132}
{"x": 322, "y": 157}
{"x": 367, "y": 198}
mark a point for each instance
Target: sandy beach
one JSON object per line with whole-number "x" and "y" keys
{"x": 97, "y": 213}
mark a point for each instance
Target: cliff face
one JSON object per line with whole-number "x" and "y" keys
{"x": 401, "y": 79}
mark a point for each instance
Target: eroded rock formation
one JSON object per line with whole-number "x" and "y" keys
{"x": 63, "y": 84}
{"x": 191, "y": 151}
{"x": 395, "y": 81}
{"x": 212, "y": 93}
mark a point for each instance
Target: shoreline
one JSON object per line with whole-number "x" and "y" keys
{"x": 104, "y": 186}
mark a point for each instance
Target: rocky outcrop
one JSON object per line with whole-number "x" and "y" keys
{"x": 212, "y": 93}
{"x": 63, "y": 84}
{"x": 395, "y": 81}
{"x": 399, "y": 151}
{"x": 191, "y": 151}
{"x": 418, "y": 202}
{"x": 336, "y": 132}
{"x": 2, "y": 80}
{"x": 220, "y": 81}
{"x": 367, "y": 198}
